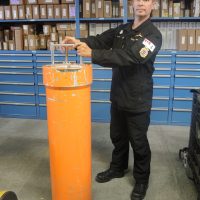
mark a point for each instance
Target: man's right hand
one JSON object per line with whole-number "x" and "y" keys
{"x": 69, "y": 40}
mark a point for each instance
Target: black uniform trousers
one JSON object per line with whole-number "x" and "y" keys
{"x": 130, "y": 127}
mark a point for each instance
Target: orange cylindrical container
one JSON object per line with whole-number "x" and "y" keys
{"x": 69, "y": 130}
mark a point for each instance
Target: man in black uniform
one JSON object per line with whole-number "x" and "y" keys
{"x": 130, "y": 50}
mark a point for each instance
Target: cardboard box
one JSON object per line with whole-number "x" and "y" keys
{"x": 99, "y": 8}
{"x": 47, "y": 29}
{"x": 53, "y": 29}
{"x": 191, "y": 39}
{"x": 43, "y": 12}
{"x": 50, "y": 12}
{"x": 83, "y": 26}
{"x": 107, "y": 9}
{"x": 121, "y": 11}
{"x": 164, "y": 8}
{"x": 42, "y": 42}
{"x": 57, "y": 11}
{"x": 1, "y": 35}
{"x": 11, "y": 45}
{"x": 1, "y": 12}
{"x": 197, "y": 47}
{"x": 86, "y": 8}
{"x": 72, "y": 26}
{"x": 176, "y": 9}
{"x": 93, "y": 9}
{"x": 65, "y": 11}
{"x": 1, "y": 45}
{"x": 6, "y": 35}
{"x": 54, "y": 37}
{"x": 48, "y": 1}
{"x": 156, "y": 10}
{"x": 21, "y": 12}
{"x": 36, "y": 11}
{"x": 31, "y": 1}
{"x": 7, "y": 12}
{"x": 5, "y": 45}
{"x": 70, "y": 33}
{"x": 32, "y": 43}
{"x": 17, "y": 2}
{"x": 25, "y": 42}
{"x": 92, "y": 29}
{"x": 14, "y": 12}
{"x": 130, "y": 10}
{"x": 63, "y": 26}
{"x": 170, "y": 8}
{"x": 61, "y": 36}
{"x": 99, "y": 28}
{"x": 182, "y": 40}
{"x": 28, "y": 29}
{"x": 19, "y": 39}
{"x": 29, "y": 12}
{"x": 83, "y": 33}
{"x": 72, "y": 11}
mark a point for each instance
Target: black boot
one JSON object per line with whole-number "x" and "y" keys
{"x": 139, "y": 191}
{"x": 108, "y": 175}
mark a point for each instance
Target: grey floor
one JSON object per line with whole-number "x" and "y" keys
{"x": 24, "y": 162}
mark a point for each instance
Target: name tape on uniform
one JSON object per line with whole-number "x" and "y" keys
{"x": 148, "y": 44}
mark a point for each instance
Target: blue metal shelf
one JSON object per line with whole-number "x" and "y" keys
{"x": 37, "y": 20}
{"x": 101, "y": 19}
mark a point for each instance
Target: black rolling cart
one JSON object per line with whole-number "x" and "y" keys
{"x": 191, "y": 155}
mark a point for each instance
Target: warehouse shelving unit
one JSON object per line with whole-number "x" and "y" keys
{"x": 22, "y": 93}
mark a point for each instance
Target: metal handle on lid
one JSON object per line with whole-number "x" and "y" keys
{"x": 52, "y": 48}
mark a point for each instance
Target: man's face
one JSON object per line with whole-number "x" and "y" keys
{"x": 143, "y": 8}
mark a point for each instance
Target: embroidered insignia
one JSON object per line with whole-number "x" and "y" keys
{"x": 144, "y": 52}
{"x": 148, "y": 44}
{"x": 121, "y": 32}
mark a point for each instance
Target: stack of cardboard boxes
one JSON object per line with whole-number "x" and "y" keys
{"x": 27, "y": 37}
{"x": 188, "y": 39}
{"x": 105, "y": 9}
{"x": 177, "y": 8}
{"x": 38, "y": 9}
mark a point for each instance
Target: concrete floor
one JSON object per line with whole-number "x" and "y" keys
{"x": 24, "y": 162}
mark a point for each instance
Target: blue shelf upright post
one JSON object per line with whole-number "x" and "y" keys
{"x": 125, "y": 17}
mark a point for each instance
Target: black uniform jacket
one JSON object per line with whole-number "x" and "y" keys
{"x": 131, "y": 54}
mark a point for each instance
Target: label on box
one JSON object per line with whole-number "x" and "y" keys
{"x": 25, "y": 42}
{"x": 99, "y": 4}
{"x": 43, "y": 11}
{"x": 11, "y": 46}
{"x": 107, "y": 9}
{"x": 1, "y": 15}
{"x": 21, "y": 12}
{"x": 35, "y": 10}
{"x": 87, "y": 6}
{"x": 72, "y": 11}
{"x": 27, "y": 10}
{"x": 198, "y": 40}
{"x": 191, "y": 40}
{"x": 7, "y": 13}
{"x": 46, "y": 30}
{"x": 183, "y": 40}
{"x": 49, "y": 1}
{"x": 122, "y": 12}
{"x": 50, "y": 12}
{"x": 164, "y": 6}
{"x": 57, "y": 12}
{"x": 31, "y": 42}
{"x": 93, "y": 8}
{"x": 31, "y": 1}
{"x": 42, "y": 41}
{"x": 14, "y": 13}
{"x": 64, "y": 12}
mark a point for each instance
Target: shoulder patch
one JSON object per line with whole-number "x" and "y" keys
{"x": 148, "y": 44}
{"x": 144, "y": 52}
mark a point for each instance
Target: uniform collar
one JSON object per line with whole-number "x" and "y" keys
{"x": 139, "y": 28}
